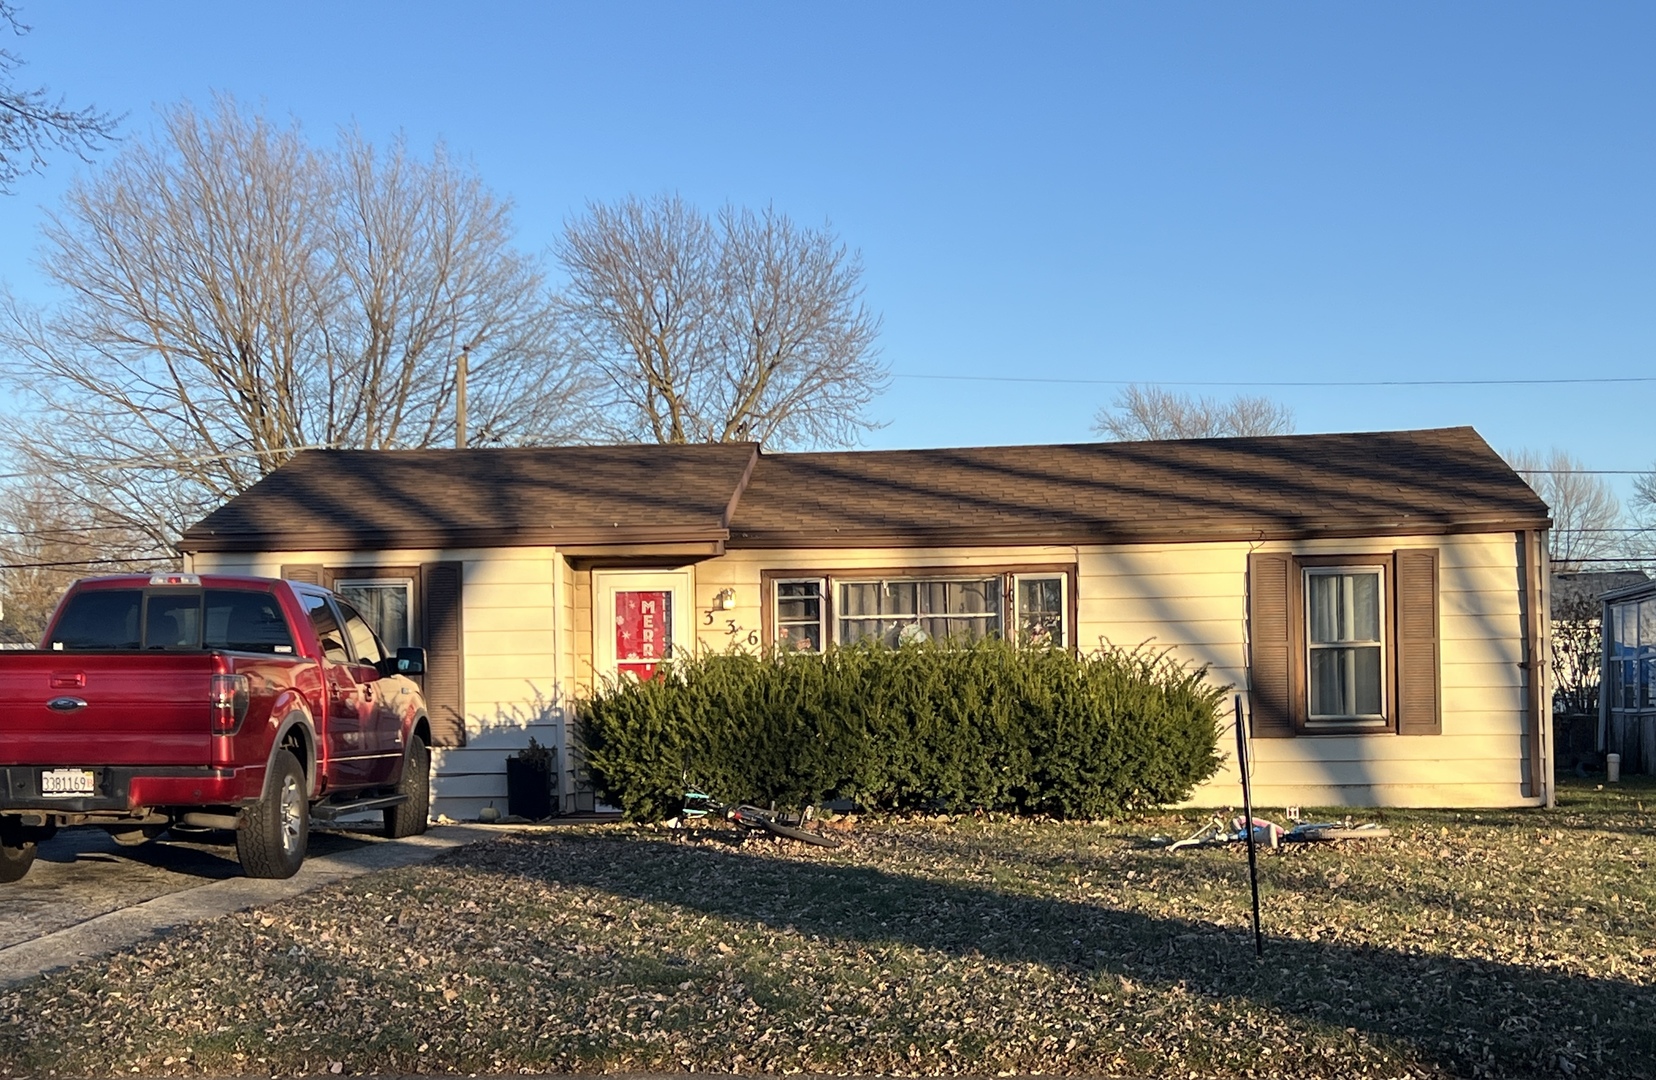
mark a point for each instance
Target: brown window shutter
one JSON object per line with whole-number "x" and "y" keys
{"x": 445, "y": 675}
{"x": 1419, "y": 700}
{"x": 309, "y": 574}
{"x": 1271, "y": 612}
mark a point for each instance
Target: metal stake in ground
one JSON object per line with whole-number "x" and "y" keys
{"x": 1248, "y": 826}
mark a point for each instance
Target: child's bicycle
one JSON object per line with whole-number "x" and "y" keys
{"x": 699, "y": 805}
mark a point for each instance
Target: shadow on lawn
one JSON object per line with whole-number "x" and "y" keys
{"x": 1455, "y": 1013}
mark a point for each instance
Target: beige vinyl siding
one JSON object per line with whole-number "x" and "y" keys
{"x": 511, "y": 646}
{"x": 1191, "y": 599}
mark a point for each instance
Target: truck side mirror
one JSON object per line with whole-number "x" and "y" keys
{"x": 411, "y": 660}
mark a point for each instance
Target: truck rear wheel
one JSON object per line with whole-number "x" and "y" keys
{"x": 275, "y": 832}
{"x": 15, "y": 861}
{"x": 409, "y": 817}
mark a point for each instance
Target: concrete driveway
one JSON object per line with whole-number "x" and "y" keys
{"x": 87, "y": 895}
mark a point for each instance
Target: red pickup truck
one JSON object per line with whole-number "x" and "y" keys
{"x": 208, "y": 702}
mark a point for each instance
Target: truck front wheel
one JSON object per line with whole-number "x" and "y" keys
{"x": 275, "y": 831}
{"x": 408, "y": 818}
{"x": 15, "y": 860}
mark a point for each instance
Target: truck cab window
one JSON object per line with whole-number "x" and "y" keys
{"x": 173, "y": 620}
{"x": 327, "y": 629}
{"x": 243, "y": 621}
{"x": 99, "y": 619}
{"x": 365, "y": 648}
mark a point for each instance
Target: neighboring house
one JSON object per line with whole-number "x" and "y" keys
{"x": 1577, "y": 647}
{"x": 1379, "y": 598}
{"x": 1627, "y": 707}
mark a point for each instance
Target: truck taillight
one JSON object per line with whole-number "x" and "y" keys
{"x": 231, "y": 694}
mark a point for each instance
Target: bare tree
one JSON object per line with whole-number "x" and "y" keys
{"x": 44, "y": 545}
{"x": 32, "y": 121}
{"x": 742, "y": 326}
{"x": 1150, "y": 412}
{"x": 1587, "y": 516}
{"x": 232, "y": 294}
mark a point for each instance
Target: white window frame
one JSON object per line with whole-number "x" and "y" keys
{"x": 1015, "y": 603}
{"x": 777, "y": 624}
{"x": 407, "y": 583}
{"x": 1383, "y": 717}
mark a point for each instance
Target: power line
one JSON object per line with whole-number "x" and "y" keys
{"x": 81, "y": 562}
{"x": 1282, "y": 383}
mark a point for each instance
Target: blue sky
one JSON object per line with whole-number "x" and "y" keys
{"x": 1270, "y": 192}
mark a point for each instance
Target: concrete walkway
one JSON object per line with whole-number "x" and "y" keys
{"x": 38, "y": 946}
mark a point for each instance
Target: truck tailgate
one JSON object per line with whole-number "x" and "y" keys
{"x": 124, "y": 708}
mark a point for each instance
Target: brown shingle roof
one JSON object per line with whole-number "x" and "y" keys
{"x": 1373, "y": 483}
{"x": 360, "y": 499}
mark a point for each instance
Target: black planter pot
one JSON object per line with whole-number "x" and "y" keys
{"x": 528, "y": 789}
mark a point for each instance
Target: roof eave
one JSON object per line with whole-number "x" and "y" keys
{"x": 361, "y": 540}
{"x": 1100, "y": 533}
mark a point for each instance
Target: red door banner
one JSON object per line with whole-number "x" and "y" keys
{"x": 643, "y": 631}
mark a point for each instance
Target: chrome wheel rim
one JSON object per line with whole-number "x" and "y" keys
{"x": 291, "y": 813}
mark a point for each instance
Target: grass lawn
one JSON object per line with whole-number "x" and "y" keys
{"x": 1504, "y": 943}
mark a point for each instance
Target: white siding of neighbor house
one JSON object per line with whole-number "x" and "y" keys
{"x": 511, "y": 599}
{"x": 529, "y": 647}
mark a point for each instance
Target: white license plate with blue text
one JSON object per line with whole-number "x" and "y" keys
{"x": 66, "y": 782}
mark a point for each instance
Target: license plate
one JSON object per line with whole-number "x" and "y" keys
{"x": 66, "y": 782}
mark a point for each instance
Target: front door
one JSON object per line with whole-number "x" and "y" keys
{"x": 642, "y": 617}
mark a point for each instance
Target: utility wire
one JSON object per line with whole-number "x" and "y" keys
{"x": 1281, "y": 383}
{"x": 82, "y": 562}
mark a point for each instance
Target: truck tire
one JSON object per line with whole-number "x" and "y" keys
{"x": 275, "y": 831}
{"x": 15, "y": 861}
{"x": 409, "y": 817}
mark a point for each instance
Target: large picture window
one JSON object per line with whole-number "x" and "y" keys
{"x": 894, "y": 612}
{"x": 810, "y": 612}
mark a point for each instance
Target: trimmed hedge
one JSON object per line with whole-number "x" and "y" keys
{"x": 925, "y": 725}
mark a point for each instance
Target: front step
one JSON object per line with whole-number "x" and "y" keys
{"x": 329, "y": 811}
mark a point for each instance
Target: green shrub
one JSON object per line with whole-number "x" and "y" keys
{"x": 925, "y": 725}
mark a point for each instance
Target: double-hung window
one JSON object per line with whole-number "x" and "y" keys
{"x": 808, "y": 613}
{"x": 1345, "y": 644}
